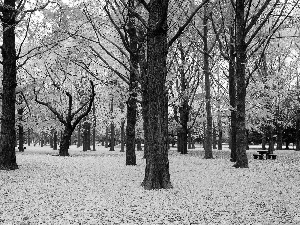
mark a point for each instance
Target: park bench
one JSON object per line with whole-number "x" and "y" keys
{"x": 271, "y": 156}
{"x": 258, "y": 156}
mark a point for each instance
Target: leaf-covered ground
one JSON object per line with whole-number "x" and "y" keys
{"x": 97, "y": 188}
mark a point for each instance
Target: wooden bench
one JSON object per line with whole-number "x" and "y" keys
{"x": 271, "y": 156}
{"x": 258, "y": 156}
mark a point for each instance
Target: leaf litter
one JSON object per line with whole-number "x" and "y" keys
{"x": 97, "y": 188}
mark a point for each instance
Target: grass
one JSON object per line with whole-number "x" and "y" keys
{"x": 97, "y": 188}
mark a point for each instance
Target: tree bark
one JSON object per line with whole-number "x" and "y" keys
{"x": 28, "y": 137}
{"x": 106, "y": 137}
{"x": 133, "y": 84}
{"x": 271, "y": 140}
{"x": 65, "y": 142}
{"x": 208, "y": 148}
{"x": 85, "y": 136}
{"x": 51, "y": 138}
{"x": 79, "y": 135}
{"x": 21, "y": 130}
{"x": 220, "y": 134}
{"x": 232, "y": 96}
{"x": 112, "y": 137}
{"x": 9, "y": 84}
{"x": 264, "y": 140}
{"x": 122, "y": 136}
{"x": 157, "y": 164}
{"x": 55, "y": 140}
{"x": 241, "y": 156}
{"x": 297, "y": 131}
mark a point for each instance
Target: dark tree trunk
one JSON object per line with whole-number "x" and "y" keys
{"x": 79, "y": 135}
{"x": 88, "y": 140}
{"x": 65, "y": 142}
{"x": 204, "y": 136}
{"x": 85, "y": 136}
{"x": 42, "y": 139}
{"x": 112, "y": 137}
{"x": 247, "y": 142}
{"x": 51, "y": 138}
{"x": 55, "y": 140}
{"x": 297, "y": 131}
{"x": 241, "y": 156}
{"x": 139, "y": 144}
{"x": 264, "y": 140}
{"x": 133, "y": 84}
{"x": 28, "y": 137}
{"x": 220, "y": 134}
{"x": 271, "y": 140}
{"x": 232, "y": 96}
{"x": 106, "y": 138}
{"x": 9, "y": 84}
{"x": 181, "y": 141}
{"x": 122, "y": 136}
{"x": 21, "y": 130}
{"x": 208, "y": 148}
{"x": 157, "y": 164}
{"x": 94, "y": 127}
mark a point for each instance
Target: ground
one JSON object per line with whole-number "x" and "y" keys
{"x": 97, "y": 188}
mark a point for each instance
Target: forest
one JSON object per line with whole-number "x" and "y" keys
{"x": 155, "y": 95}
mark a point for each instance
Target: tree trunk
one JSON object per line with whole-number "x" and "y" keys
{"x": 21, "y": 130}
{"x": 9, "y": 84}
{"x": 51, "y": 138}
{"x": 271, "y": 140}
{"x": 88, "y": 140}
{"x": 79, "y": 135}
{"x": 65, "y": 142}
{"x": 85, "y": 136}
{"x": 241, "y": 156}
{"x": 122, "y": 135}
{"x": 55, "y": 140}
{"x": 208, "y": 148}
{"x": 133, "y": 84}
{"x": 94, "y": 127}
{"x": 157, "y": 164}
{"x": 220, "y": 134}
{"x": 139, "y": 144}
{"x": 264, "y": 140}
{"x": 112, "y": 137}
{"x": 28, "y": 137}
{"x": 297, "y": 131}
{"x": 232, "y": 96}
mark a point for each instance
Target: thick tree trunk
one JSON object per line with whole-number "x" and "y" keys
{"x": 122, "y": 136}
{"x": 241, "y": 156}
{"x": 264, "y": 140}
{"x": 297, "y": 131}
{"x": 208, "y": 148}
{"x": 85, "y": 136}
{"x": 106, "y": 137}
{"x": 9, "y": 84}
{"x": 28, "y": 137}
{"x": 157, "y": 164}
{"x": 220, "y": 134}
{"x": 21, "y": 130}
{"x": 79, "y": 135}
{"x": 271, "y": 140}
{"x": 55, "y": 140}
{"x": 112, "y": 137}
{"x": 51, "y": 138}
{"x": 65, "y": 142}
{"x": 232, "y": 97}
{"x": 133, "y": 84}
{"x": 139, "y": 144}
